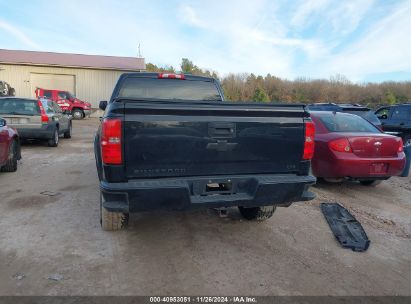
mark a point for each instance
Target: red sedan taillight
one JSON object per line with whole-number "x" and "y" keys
{"x": 111, "y": 150}
{"x": 400, "y": 146}
{"x": 340, "y": 145}
{"x": 309, "y": 140}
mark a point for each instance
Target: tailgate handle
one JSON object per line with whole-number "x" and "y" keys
{"x": 221, "y": 130}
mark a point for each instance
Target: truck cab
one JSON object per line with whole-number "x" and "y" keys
{"x": 67, "y": 101}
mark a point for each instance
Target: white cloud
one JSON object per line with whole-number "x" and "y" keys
{"x": 347, "y": 15}
{"x": 343, "y": 17}
{"x": 305, "y": 10}
{"x": 307, "y": 38}
{"x": 189, "y": 15}
{"x": 17, "y": 34}
{"x": 385, "y": 48}
{"x": 240, "y": 36}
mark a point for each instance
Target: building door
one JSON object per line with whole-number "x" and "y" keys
{"x": 52, "y": 82}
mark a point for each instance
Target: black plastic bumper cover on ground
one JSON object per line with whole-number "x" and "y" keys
{"x": 347, "y": 230}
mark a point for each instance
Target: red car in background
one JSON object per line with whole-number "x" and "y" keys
{"x": 67, "y": 102}
{"x": 349, "y": 147}
{"x": 9, "y": 147}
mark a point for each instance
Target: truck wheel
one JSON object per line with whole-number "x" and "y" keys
{"x": 11, "y": 164}
{"x": 331, "y": 180}
{"x": 67, "y": 134}
{"x": 54, "y": 141}
{"x": 371, "y": 182}
{"x": 112, "y": 221}
{"x": 257, "y": 213}
{"x": 77, "y": 114}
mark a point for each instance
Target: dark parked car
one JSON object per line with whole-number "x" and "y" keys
{"x": 397, "y": 119}
{"x": 349, "y": 147}
{"x": 169, "y": 141}
{"x": 36, "y": 119}
{"x": 9, "y": 147}
{"x": 355, "y": 109}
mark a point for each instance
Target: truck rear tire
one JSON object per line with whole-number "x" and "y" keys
{"x": 11, "y": 164}
{"x": 77, "y": 114}
{"x": 333, "y": 180}
{"x": 257, "y": 213}
{"x": 112, "y": 221}
{"x": 371, "y": 183}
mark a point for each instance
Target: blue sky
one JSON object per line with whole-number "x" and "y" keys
{"x": 364, "y": 40}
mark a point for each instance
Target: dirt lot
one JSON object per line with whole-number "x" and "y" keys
{"x": 190, "y": 253}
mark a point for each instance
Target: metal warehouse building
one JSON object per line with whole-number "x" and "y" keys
{"x": 89, "y": 77}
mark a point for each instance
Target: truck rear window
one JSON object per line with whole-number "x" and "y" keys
{"x": 16, "y": 106}
{"x": 169, "y": 89}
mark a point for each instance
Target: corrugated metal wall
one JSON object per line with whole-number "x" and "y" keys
{"x": 90, "y": 85}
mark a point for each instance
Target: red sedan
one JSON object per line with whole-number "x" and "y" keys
{"x": 9, "y": 147}
{"x": 349, "y": 147}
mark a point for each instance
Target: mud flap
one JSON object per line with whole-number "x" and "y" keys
{"x": 347, "y": 230}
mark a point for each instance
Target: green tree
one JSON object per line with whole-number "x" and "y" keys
{"x": 150, "y": 67}
{"x": 187, "y": 66}
{"x": 390, "y": 98}
{"x": 260, "y": 95}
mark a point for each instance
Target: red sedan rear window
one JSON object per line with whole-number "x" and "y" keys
{"x": 340, "y": 122}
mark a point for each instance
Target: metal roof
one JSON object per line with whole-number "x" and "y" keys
{"x": 71, "y": 60}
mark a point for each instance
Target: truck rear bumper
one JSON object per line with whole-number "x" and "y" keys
{"x": 195, "y": 192}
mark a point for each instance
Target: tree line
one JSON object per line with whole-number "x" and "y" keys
{"x": 269, "y": 88}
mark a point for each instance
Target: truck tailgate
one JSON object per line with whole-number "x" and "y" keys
{"x": 171, "y": 138}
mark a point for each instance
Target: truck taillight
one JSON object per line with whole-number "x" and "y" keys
{"x": 44, "y": 117}
{"x": 309, "y": 140}
{"x": 111, "y": 150}
{"x": 171, "y": 75}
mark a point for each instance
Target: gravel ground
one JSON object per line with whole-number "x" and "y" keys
{"x": 53, "y": 245}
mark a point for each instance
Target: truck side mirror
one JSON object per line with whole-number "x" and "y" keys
{"x": 2, "y": 122}
{"x": 103, "y": 105}
{"x": 383, "y": 116}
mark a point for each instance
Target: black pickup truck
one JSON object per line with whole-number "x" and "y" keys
{"x": 170, "y": 141}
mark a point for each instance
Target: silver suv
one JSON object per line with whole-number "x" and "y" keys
{"x": 36, "y": 119}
